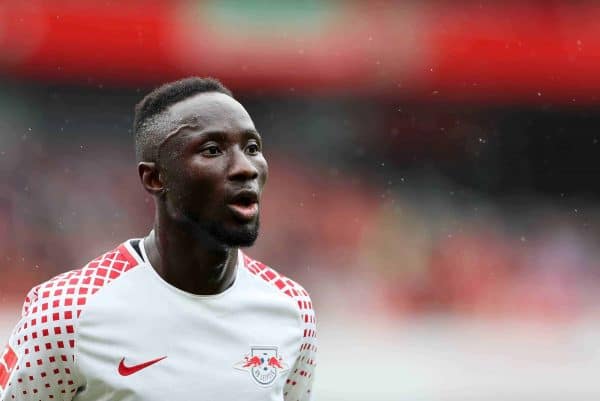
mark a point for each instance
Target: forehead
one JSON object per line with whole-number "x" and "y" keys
{"x": 211, "y": 111}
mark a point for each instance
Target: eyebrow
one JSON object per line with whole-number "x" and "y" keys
{"x": 181, "y": 127}
{"x": 252, "y": 132}
{"x": 248, "y": 132}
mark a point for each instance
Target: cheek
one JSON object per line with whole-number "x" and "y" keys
{"x": 205, "y": 182}
{"x": 263, "y": 168}
{"x": 198, "y": 181}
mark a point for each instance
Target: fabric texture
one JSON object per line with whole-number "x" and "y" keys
{"x": 114, "y": 330}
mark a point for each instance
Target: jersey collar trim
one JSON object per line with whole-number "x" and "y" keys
{"x": 239, "y": 268}
{"x": 131, "y": 253}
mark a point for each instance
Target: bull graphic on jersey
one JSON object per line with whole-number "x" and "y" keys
{"x": 264, "y": 364}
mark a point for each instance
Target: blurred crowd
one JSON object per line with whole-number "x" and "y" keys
{"x": 433, "y": 172}
{"x": 397, "y": 242}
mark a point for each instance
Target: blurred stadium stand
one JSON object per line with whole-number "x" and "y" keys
{"x": 433, "y": 172}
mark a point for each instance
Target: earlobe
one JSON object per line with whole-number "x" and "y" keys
{"x": 150, "y": 178}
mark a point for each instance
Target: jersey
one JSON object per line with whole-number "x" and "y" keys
{"x": 115, "y": 330}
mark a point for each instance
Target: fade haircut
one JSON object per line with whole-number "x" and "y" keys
{"x": 149, "y": 126}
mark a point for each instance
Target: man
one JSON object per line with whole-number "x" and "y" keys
{"x": 181, "y": 314}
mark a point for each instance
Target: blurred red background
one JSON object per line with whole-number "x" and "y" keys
{"x": 433, "y": 170}
{"x": 470, "y": 50}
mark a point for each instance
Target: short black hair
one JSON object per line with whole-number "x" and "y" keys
{"x": 146, "y": 124}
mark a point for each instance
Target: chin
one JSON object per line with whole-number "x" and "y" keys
{"x": 241, "y": 236}
{"x": 229, "y": 234}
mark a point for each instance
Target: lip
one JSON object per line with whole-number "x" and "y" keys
{"x": 243, "y": 196}
{"x": 244, "y": 212}
{"x": 244, "y": 204}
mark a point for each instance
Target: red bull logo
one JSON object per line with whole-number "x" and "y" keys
{"x": 252, "y": 362}
{"x": 264, "y": 364}
{"x": 276, "y": 363}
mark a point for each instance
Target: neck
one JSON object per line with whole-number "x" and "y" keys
{"x": 188, "y": 260}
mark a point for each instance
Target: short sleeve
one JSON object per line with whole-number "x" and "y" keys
{"x": 38, "y": 361}
{"x": 299, "y": 383}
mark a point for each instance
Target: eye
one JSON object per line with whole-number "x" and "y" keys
{"x": 211, "y": 150}
{"x": 253, "y": 148}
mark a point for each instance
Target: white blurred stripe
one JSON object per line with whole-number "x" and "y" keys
{"x": 447, "y": 359}
{"x": 455, "y": 359}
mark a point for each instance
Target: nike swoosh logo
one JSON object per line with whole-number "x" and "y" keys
{"x": 129, "y": 370}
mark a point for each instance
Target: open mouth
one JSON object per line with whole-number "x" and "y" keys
{"x": 244, "y": 205}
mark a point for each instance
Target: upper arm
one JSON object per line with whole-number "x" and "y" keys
{"x": 38, "y": 362}
{"x": 298, "y": 386}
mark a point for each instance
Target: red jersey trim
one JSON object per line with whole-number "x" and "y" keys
{"x": 7, "y": 364}
{"x": 45, "y": 339}
{"x": 299, "y": 382}
{"x": 131, "y": 259}
{"x": 284, "y": 285}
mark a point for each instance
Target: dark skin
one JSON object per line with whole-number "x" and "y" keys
{"x": 206, "y": 184}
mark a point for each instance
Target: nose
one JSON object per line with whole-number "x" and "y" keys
{"x": 241, "y": 167}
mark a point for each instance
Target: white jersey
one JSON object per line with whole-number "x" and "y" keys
{"x": 114, "y": 330}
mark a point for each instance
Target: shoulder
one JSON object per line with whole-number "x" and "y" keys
{"x": 298, "y": 385}
{"x": 44, "y": 341}
{"x": 53, "y": 307}
{"x": 282, "y": 285}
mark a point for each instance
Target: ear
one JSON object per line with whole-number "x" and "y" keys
{"x": 150, "y": 178}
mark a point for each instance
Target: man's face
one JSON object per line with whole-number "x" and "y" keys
{"x": 213, "y": 168}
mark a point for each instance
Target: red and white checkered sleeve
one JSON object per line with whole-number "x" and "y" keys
{"x": 38, "y": 362}
{"x": 298, "y": 386}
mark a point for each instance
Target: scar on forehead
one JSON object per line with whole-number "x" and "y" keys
{"x": 180, "y": 127}
{"x": 183, "y": 123}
